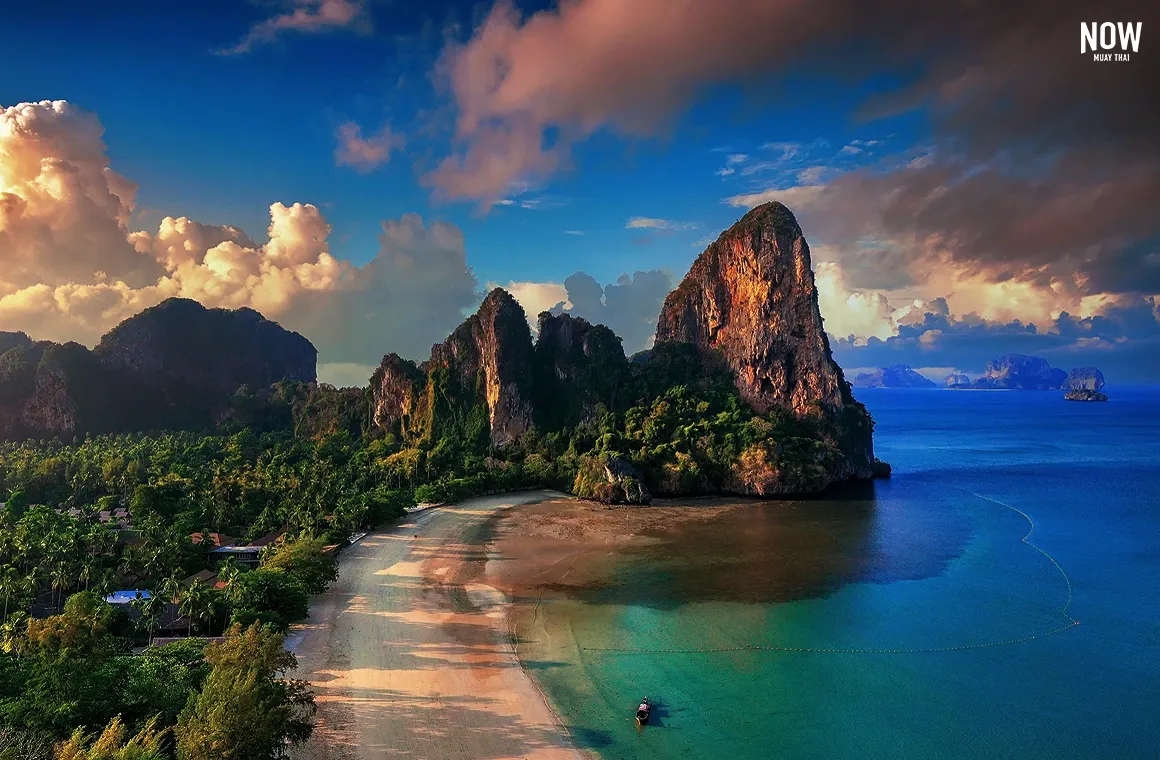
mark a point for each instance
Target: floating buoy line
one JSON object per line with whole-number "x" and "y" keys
{"x": 1064, "y": 611}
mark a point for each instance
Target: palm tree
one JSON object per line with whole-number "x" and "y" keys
{"x": 150, "y": 607}
{"x": 104, "y": 583}
{"x": 228, "y": 573}
{"x": 171, "y": 587}
{"x": 88, "y": 567}
{"x": 32, "y": 581}
{"x": 195, "y": 603}
{"x": 60, "y": 578}
{"x": 9, "y": 585}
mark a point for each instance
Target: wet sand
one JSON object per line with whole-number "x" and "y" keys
{"x": 409, "y": 652}
{"x": 565, "y": 546}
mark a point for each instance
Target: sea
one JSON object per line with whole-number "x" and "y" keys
{"x": 998, "y": 597}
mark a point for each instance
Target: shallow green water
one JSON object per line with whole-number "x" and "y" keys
{"x": 923, "y": 565}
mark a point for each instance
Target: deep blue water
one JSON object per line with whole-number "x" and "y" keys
{"x": 932, "y": 618}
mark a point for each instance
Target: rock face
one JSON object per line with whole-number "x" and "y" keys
{"x": 1019, "y": 372}
{"x": 397, "y": 389}
{"x": 481, "y": 373}
{"x": 741, "y": 335}
{"x": 489, "y": 369}
{"x": 751, "y": 297}
{"x": 492, "y": 352}
{"x": 1084, "y": 378}
{"x": 579, "y": 366}
{"x": 173, "y": 366}
{"x": 894, "y": 376}
{"x": 957, "y": 380}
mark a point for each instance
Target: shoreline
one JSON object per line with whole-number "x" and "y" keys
{"x": 410, "y": 653}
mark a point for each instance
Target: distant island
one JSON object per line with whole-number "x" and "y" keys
{"x": 1084, "y": 384}
{"x": 894, "y": 376}
{"x": 1019, "y": 372}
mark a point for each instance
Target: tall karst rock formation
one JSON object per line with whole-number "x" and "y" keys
{"x": 750, "y": 297}
{"x": 746, "y": 315}
{"x": 479, "y": 379}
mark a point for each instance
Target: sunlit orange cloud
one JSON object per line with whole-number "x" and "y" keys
{"x": 71, "y": 267}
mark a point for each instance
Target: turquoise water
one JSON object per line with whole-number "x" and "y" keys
{"x": 931, "y": 616}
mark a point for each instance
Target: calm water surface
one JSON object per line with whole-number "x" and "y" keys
{"x": 909, "y": 620}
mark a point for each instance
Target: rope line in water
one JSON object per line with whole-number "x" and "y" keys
{"x": 1072, "y": 622}
{"x": 1070, "y": 593}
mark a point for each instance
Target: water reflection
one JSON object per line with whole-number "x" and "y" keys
{"x": 783, "y": 551}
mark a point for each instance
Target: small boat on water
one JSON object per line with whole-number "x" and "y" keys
{"x": 643, "y": 711}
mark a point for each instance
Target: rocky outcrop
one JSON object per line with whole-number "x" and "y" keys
{"x": 957, "y": 380}
{"x": 1020, "y": 372}
{"x": 579, "y": 367}
{"x": 174, "y": 366}
{"x": 1085, "y": 394}
{"x": 397, "y": 388}
{"x": 490, "y": 355}
{"x": 751, "y": 298}
{"x": 481, "y": 373}
{"x": 1084, "y": 378}
{"x": 610, "y": 480}
{"x": 894, "y": 376}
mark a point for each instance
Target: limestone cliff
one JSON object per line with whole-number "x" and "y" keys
{"x": 1020, "y": 372}
{"x": 484, "y": 367}
{"x": 492, "y": 353}
{"x": 1084, "y": 378}
{"x": 751, "y": 298}
{"x": 579, "y": 366}
{"x": 739, "y": 395}
{"x": 1084, "y": 384}
{"x": 173, "y": 366}
{"x": 397, "y": 393}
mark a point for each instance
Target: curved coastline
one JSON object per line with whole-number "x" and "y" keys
{"x": 410, "y": 655}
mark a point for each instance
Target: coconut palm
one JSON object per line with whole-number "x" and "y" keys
{"x": 228, "y": 573}
{"x": 60, "y": 579}
{"x": 9, "y": 586}
{"x": 31, "y": 582}
{"x": 103, "y": 584}
{"x": 150, "y": 606}
{"x": 171, "y": 587}
{"x": 197, "y": 603}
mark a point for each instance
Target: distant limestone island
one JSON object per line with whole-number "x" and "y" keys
{"x": 894, "y": 376}
{"x": 1013, "y": 372}
{"x": 1017, "y": 372}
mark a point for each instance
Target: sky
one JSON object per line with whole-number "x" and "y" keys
{"x": 363, "y": 171}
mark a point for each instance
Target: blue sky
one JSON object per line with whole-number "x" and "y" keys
{"x": 217, "y": 136}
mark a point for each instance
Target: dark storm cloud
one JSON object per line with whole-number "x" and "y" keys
{"x": 1043, "y": 163}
